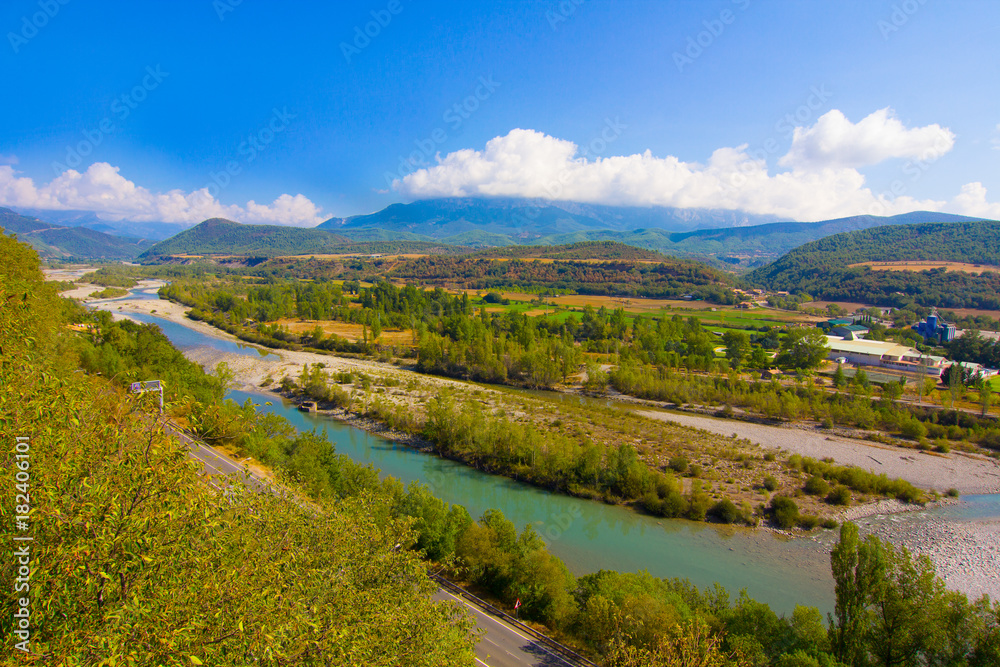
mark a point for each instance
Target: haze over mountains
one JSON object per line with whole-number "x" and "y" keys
{"x": 720, "y": 237}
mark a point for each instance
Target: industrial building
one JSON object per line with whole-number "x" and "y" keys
{"x": 935, "y": 329}
{"x": 884, "y": 354}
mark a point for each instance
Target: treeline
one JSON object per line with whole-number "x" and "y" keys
{"x": 457, "y": 335}
{"x": 668, "y": 279}
{"x": 974, "y": 347}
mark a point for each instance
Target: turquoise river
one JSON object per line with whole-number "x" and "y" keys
{"x": 587, "y": 535}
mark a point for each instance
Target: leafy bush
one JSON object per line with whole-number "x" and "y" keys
{"x": 725, "y": 511}
{"x": 698, "y": 505}
{"x": 784, "y": 511}
{"x": 809, "y": 521}
{"x": 816, "y": 486}
{"x": 678, "y": 464}
{"x": 770, "y": 483}
{"x": 840, "y": 495}
{"x": 913, "y": 429}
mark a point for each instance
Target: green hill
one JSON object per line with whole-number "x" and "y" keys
{"x": 824, "y": 268}
{"x": 217, "y": 236}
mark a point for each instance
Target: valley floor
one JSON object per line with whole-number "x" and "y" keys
{"x": 966, "y": 553}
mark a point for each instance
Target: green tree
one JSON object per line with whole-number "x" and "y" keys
{"x": 803, "y": 348}
{"x": 891, "y": 609}
{"x": 839, "y": 380}
{"x": 759, "y": 358}
{"x": 737, "y": 347}
{"x": 986, "y": 397}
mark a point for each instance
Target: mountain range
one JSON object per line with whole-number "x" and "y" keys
{"x": 155, "y": 231}
{"x": 53, "y": 241}
{"x": 719, "y": 237}
{"x": 732, "y": 239}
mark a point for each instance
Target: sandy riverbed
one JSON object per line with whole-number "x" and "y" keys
{"x": 969, "y": 473}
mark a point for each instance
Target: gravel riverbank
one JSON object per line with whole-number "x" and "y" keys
{"x": 968, "y": 473}
{"x": 966, "y": 554}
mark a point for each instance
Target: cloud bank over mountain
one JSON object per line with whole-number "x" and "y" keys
{"x": 821, "y": 177}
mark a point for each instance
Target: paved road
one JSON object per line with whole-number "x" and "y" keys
{"x": 216, "y": 463}
{"x": 503, "y": 645}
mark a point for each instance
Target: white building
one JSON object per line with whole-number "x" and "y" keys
{"x": 884, "y": 354}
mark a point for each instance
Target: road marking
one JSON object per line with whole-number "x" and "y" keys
{"x": 504, "y": 624}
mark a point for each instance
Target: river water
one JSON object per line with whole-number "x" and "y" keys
{"x": 587, "y": 535}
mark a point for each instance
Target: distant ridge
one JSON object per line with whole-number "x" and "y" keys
{"x": 527, "y": 219}
{"x": 452, "y": 226}
{"x": 58, "y": 242}
{"x": 723, "y": 238}
{"x": 155, "y": 231}
{"x": 218, "y": 236}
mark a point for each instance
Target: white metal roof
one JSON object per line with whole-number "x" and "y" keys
{"x": 874, "y": 347}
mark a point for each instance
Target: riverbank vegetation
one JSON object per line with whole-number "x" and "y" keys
{"x": 595, "y": 451}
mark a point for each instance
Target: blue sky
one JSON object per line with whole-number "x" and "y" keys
{"x": 190, "y": 108}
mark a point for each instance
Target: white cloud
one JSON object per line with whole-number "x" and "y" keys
{"x": 836, "y": 142}
{"x": 527, "y": 163}
{"x": 103, "y": 190}
{"x": 972, "y": 202}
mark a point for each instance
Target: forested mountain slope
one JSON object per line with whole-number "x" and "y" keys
{"x": 218, "y": 236}
{"x": 58, "y": 242}
{"x": 831, "y": 268}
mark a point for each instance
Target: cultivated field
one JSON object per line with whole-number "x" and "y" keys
{"x": 916, "y": 265}
{"x": 348, "y": 331}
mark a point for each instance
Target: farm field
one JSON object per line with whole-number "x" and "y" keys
{"x": 560, "y": 307}
{"x": 915, "y": 265}
{"x": 346, "y": 330}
